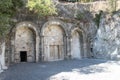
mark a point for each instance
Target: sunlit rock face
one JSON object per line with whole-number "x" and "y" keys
{"x": 72, "y": 9}
{"x": 107, "y": 41}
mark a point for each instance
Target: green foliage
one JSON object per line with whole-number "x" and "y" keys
{"x": 97, "y": 18}
{"x": 7, "y": 9}
{"x": 9, "y": 6}
{"x": 80, "y": 16}
{"x": 4, "y": 24}
{"x": 42, "y": 7}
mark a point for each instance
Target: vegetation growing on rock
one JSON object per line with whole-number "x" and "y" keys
{"x": 42, "y": 7}
{"x": 7, "y": 9}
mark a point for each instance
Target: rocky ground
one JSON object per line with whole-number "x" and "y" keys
{"x": 85, "y": 69}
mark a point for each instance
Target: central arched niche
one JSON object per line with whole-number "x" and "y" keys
{"x": 25, "y": 40}
{"x": 77, "y": 45}
{"x": 53, "y": 43}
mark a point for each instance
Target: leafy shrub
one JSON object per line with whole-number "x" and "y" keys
{"x": 97, "y": 18}
{"x": 42, "y": 7}
{"x": 80, "y": 16}
{"x": 7, "y": 9}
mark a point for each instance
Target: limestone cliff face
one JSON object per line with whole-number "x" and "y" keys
{"x": 107, "y": 41}
{"x": 71, "y": 9}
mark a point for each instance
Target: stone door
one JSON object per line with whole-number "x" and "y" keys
{"x": 56, "y": 52}
{"x": 75, "y": 46}
{"x": 53, "y": 43}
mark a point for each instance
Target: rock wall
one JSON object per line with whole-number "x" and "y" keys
{"x": 107, "y": 40}
{"x": 71, "y": 9}
{"x": 105, "y": 43}
{"x": 2, "y": 57}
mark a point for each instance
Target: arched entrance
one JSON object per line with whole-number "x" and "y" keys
{"x": 77, "y": 44}
{"x": 26, "y": 43}
{"x": 53, "y": 43}
{"x": 54, "y": 40}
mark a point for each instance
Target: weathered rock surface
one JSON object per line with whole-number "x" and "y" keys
{"x": 71, "y": 9}
{"x": 2, "y": 57}
{"x": 107, "y": 41}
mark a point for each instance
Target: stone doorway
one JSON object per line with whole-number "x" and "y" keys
{"x": 23, "y": 56}
{"x": 55, "y": 52}
{"x": 53, "y": 43}
{"x": 76, "y": 45}
{"x": 25, "y": 37}
{"x": 25, "y": 49}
